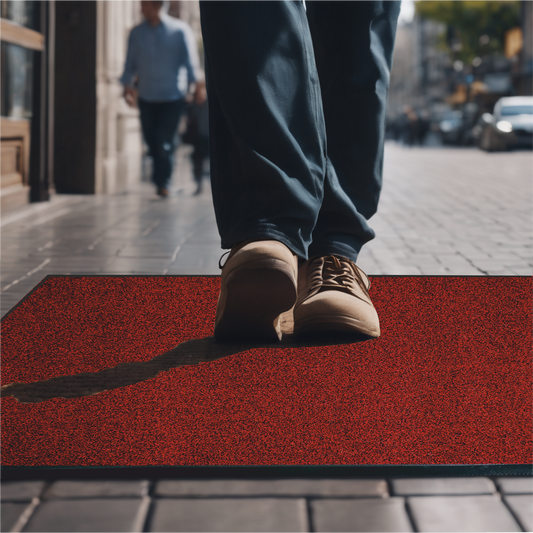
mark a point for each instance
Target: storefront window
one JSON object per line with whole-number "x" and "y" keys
{"x": 21, "y": 12}
{"x": 17, "y": 80}
{"x": 17, "y": 62}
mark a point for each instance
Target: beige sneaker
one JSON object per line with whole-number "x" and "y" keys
{"x": 258, "y": 285}
{"x": 333, "y": 296}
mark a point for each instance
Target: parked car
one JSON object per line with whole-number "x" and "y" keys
{"x": 455, "y": 126}
{"x": 509, "y": 126}
{"x": 451, "y": 127}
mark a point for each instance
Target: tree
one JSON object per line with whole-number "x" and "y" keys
{"x": 475, "y": 28}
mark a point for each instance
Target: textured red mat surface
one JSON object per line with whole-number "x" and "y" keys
{"x": 449, "y": 381}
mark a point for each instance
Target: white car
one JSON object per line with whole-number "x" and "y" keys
{"x": 510, "y": 125}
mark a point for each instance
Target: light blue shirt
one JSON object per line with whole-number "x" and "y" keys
{"x": 156, "y": 55}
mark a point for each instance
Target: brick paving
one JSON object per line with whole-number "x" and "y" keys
{"x": 444, "y": 211}
{"x": 447, "y": 504}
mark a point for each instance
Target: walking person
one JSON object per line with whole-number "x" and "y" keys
{"x": 157, "y": 52}
{"x": 297, "y": 101}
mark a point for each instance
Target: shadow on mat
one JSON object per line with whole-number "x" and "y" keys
{"x": 190, "y": 352}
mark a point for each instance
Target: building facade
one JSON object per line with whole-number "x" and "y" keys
{"x": 523, "y": 69}
{"x": 119, "y": 145}
{"x": 420, "y": 71}
{"x": 26, "y": 56}
{"x": 98, "y": 143}
{"x": 118, "y": 149}
{"x": 65, "y": 126}
{"x": 404, "y": 82}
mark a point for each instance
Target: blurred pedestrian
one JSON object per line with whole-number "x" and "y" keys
{"x": 157, "y": 51}
{"x": 424, "y": 125}
{"x": 297, "y": 101}
{"x": 411, "y": 125}
{"x": 197, "y": 133}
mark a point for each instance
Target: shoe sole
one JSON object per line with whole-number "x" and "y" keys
{"x": 256, "y": 295}
{"x": 319, "y": 324}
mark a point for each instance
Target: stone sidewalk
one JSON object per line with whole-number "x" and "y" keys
{"x": 438, "y": 504}
{"x": 444, "y": 211}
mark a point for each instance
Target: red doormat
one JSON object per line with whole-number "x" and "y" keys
{"x": 448, "y": 382}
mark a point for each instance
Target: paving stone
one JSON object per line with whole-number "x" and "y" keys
{"x": 136, "y": 265}
{"x": 522, "y": 271}
{"x": 445, "y": 485}
{"x": 23, "y": 491}
{"x": 272, "y": 487}
{"x": 11, "y": 512}
{"x": 456, "y": 513}
{"x": 515, "y": 485}
{"x": 401, "y": 270}
{"x": 90, "y": 515}
{"x": 378, "y": 514}
{"x": 139, "y": 250}
{"x": 522, "y": 506}
{"x": 59, "y": 265}
{"x": 229, "y": 514}
{"x": 208, "y": 238}
{"x": 67, "y": 489}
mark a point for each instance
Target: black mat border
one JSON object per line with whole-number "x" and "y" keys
{"x": 22, "y": 473}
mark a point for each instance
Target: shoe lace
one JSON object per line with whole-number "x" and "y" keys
{"x": 332, "y": 272}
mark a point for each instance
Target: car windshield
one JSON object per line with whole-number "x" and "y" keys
{"x": 517, "y": 110}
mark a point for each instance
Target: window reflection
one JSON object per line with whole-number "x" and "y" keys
{"x": 21, "y": 12}
{"x": 17, "y": 62}
{"x": 17, "y": 70}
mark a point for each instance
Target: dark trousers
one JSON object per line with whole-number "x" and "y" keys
{"x": 159, "y": 122}
{"x": 297, "y": 119}
{"x": 199, "y": 156}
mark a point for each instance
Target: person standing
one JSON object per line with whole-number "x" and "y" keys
{"x": 157, "y": 51}
{"x": 297, "y": 106}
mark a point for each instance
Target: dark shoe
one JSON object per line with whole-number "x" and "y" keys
{"x": 161, "y": 191}
{"x": 258, "y": 285}
{"x": 333, "y": 296}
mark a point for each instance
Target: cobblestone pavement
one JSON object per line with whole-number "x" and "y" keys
{"x": 451, "y": 211}
{"x": 443, "y": 211}
{"x": 437, "y": 504}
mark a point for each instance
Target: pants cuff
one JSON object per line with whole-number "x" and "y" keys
{"x": 269, "y": 233}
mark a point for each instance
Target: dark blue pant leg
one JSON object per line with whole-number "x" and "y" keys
{"x": 353, "y": 44}
{"x": 170, "y": 114}
{"x": 271, "y": 174}
{"x": 148, "y": 124}
{"x": 267, "y": 132}
{"x": 159, "y": 122}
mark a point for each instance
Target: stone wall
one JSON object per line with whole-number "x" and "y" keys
{"x": 118, "y": 140}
